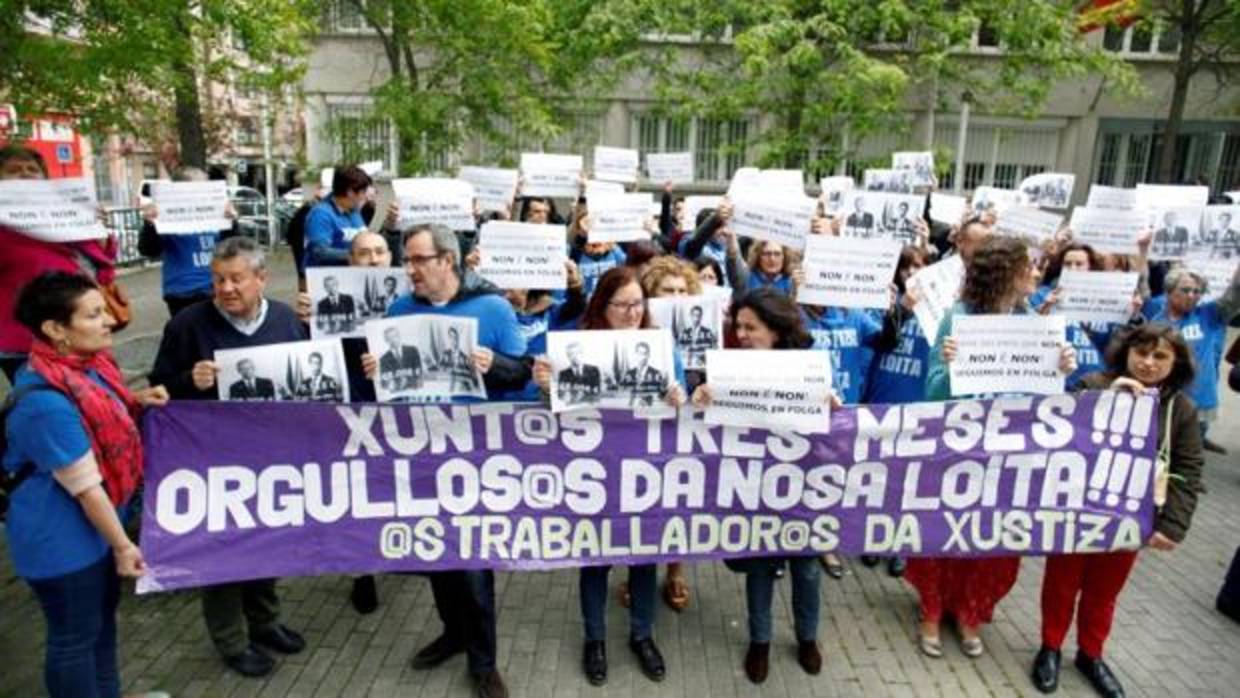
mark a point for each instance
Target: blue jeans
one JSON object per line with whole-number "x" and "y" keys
{"x": 643, "y": 580}
{"x": 760, "y": 593}
{"x": 80, "y": 608}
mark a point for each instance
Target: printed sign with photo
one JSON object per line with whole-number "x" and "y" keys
{"x": 872, "y": 215}
{"x": 1174, "y": 230}
{"x": 1160, "y": 196}
{"x": 848, "y": 273}
{"x": 494, "y": 188}
{"x": 187, "y": 208}
{"x": 311, "y": 371}
{"x": 1047, "y": 190}
{"x": 549, "y": 174}
{"x": 623, "y": 369}
{"x": 833, "y": 189}
{"x": 770, "y": 389}
{"x": 434, "y": 200}
{"x": 696, "y": 323}
{"x": 344, "y": 299}
{"x": 1219, "y": 236}
{"x": 52, "y": 210}
{"x": 522, "y": 255}
{"x": 425, "y": 358}
{"x": 886, "y": 180}
{"x": 676, "y": 168}
{"x": 920, "y": 164}
{"x": 1007, "y": 354}
{"x": 994, "y": 199}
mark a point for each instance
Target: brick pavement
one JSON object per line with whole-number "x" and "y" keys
{"x": 1167, "y": 640}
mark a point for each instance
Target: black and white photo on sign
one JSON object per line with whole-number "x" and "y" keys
{"x": 1007, "y": 354}
{"x": 1096, "y": 296}
{"x": 920, "y": 164}
{"x": 881, "y": 215}
{"x": 994, "y": 199}
{"x": 1047, "y": 190}
{"x": 523, "y": 255}
{"x": 425, "y": 358}
{"x": 785, "y": 389}
{"x": 1117, "y": 198}
{"x": 615, "y": 164}
{"x": 188, "y": 208}
{"x": 494, "y": 187}
{"x": 52, "y": 210}
{"x": 619, "y": 217}
{"x": 310, "y": 371}
{"x": 344, "y": 299}
{"x": 1219, "y": 236}
{"x": 550, "y": 174}
{"x": 888, "y": 180}
{"x": 434, "y": 200}
{"x": 696, "y": 323}
{"x": 622, "y": 369}
{"x": 1174, "y": 230}
{"x": 833, "y": 189}
{"x": 848, "y": 272}
{"x": 1108, "y": 230}
{"x": 676, "y": 168}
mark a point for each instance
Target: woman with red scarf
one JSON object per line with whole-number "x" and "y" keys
{"x": 72, "y": 437}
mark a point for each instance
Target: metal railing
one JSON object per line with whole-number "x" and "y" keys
{"x": 126, "y": 224}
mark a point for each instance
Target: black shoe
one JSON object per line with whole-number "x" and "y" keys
{"x": 870, "y": 560}
{"x": 1213, "y": 447}
{"x": 649, "y": 658}
{"x": 280, "y": 638}
{"x": 440, "y": 650}
{"x": 833, "y": 567}
{"x": 491, "y": 685}
{"x": 758, "y": 661}
{"x": 251, "y": 662}
{"x": 895, "y": 567}
{"x": 594, "y": 662}
{"x": 809, "y": 657}
{"x": 364, "y": 596}
{"x": 1046, "y": 670}
{"x": 1100, "y": 676}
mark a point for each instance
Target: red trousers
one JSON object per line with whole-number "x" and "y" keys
{"x": 1097, "y": 578}
{"x": 968, "y": 589}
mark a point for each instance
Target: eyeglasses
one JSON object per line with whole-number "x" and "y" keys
{"x": 420, "y": 260}
{"x": 627, "y": 307}
{"x": 1191, "y": 291}
{"x": 772, "y": 253}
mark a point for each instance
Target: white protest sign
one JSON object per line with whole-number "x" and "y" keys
{"x": 770, "y": 389}
{"x": 549, "y": 174}
{"x": 1108, "y": 230}
{"x": 344, "y": 299}
{"x": 1233, "y": 196}
{"x": 782, "y": 182}
{"x": 947, "y": 208}
{"x": 676, "y": 168}
{"x": 886, "y": 215}
{"x": 994, "y": 199}
{"x": 494, "y": 187}
{"x": 52, "y": 210}
{"x": 1025, "y": 222}
{"x": 190, "y": 207}
{"x": 1047, "y": 190}
{"x": 522, "y": 255}
{"x": 371, "y": 168}
{"x": 325, "y": 179}
{"x": 425, "y": 358}
{"x": 610, "y": 368}
{"x": 448, "y": 202}
{"x": 615, "y": 164}
{"x": 307, "y": 371}
{"x": 1112, "y": 198}
{"x": 1174, "y": 230}
{"x": 1096, "y": 296}
{"x": 743, "y": 178}
{"x": 619, "y": 217}
{"x": 920, "y": 164}
{"x": 1159, "y": 196}
{"x": 847, "y": 272}
{"x": 780, "y": 219}
{"x": 696, "y": 323}
{"x": 597, "y": 188}
{"x": 1007, "y": 354}
{"x": 1219, "y": 235}
{"x": 1219, "y": 273}
{"x": 937, "y": 287}
{"x": 898, "y": 181}
{"x": 833, "y": 189}
{"x": 694, "y": 204}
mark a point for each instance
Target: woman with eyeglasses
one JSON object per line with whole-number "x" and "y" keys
{"x": 618, "y": 303}
{"x": 1203, "y": 325}
{"x": 770, "y": 265}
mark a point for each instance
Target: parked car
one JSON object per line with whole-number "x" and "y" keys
{"x": 294, "y": 197}
{"x": 249, "y": 202}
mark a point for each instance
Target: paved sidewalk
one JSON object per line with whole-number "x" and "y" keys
{"x": 1167, "y": 640}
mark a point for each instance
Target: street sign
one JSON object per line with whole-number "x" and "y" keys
{"x": 241, "y": 166}
{"x": 64, "y": 153}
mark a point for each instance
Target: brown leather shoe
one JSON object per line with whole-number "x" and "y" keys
{"x": 809, "y": 657}
{"x": 491, "y": 685}
{"x": 758, "y": 661}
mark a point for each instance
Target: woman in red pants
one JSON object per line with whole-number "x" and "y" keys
{"x": 1140, "y": 359}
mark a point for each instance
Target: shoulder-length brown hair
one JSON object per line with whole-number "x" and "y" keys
{"x": 616, "y": 278}
{"x": 779, "y": 313}
{"x": 1148, "y": 335}
{"x": 755, "y": 255}
{"x": 1055, "y": 266}
{"x": 989, "y": 279}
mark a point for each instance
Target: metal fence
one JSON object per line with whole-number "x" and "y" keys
{"x": 126, "y": 224}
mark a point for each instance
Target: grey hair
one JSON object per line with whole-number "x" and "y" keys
{"x": 1175, "y": 276}
{"x": 189, "y": 174}
{"x": 443, "y": 238}
{"x": 240, "y": 247}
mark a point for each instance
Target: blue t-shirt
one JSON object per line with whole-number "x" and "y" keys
{"x": 534, "y": 328}
{"x": 899, "y": 375}
{"x": 187, "y": 263}
{"x": 48, "y": 533}
{"x": 329, "y": 233}
{"x": 592, "y": 268}
{"x": 498, "y": 329}
{"x": 781, "y": 282}
{"x": 1205, "y": 331}
{"x": 849, "y": 335}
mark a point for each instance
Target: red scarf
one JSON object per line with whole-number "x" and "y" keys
{"x": 110, "y": 424}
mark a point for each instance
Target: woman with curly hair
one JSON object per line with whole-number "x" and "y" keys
{"x": 997, "y": 281}
{"x": 770, "y": 265}
{"x": 666, "y": 276}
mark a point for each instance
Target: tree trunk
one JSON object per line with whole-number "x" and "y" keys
{"x": 190, "y": 133}
{"x": 1185, "y": 67}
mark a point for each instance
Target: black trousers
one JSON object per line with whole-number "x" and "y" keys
{"x": 465, "y": 602}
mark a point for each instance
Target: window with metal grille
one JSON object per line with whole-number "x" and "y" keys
{"x": 720, "y": 146}
{"x": 357, "y": 135}
{"x": 342, "y": 16}
{"x": 1108, "y": 159}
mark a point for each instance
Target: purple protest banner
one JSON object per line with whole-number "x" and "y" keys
{"x": 240, "y": 491}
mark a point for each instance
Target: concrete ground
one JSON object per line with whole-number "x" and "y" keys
{"x": 1167, "y": 641}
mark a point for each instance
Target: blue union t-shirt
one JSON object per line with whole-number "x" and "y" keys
{"x": 187, "y": 263}
{"x": 48, "y": 533}
{"x": 849, "y": 335}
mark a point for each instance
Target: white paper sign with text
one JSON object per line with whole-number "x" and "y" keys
{"x": 550, "y": 174}
{"x": 847, "y": 272}
{"x": 494, "y": 187}
{"x": 937, "y": 287}
{"x": 770, "y": 389}
{"x": 947, "y": 208}
{"x": 52, "y": 210}
{"x": 1108, "y": 230}
{"x": 1007, "y": 354}
{"x": 1025, "y": 222}
{"x": 187, "y": 208}
{"x": 1117, "y": 198}
{"x": 619, "y": 217}
{"x": 615, "y": 164}
{"x": 676, "y": 168}
{"x": 1096, "y": 296}
{"x": 522, "y": 255}
{"x": 781, "y": 219}
{"x": 434, "y": 200}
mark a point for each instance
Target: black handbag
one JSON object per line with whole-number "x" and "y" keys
{"x": 1228, "y": 602}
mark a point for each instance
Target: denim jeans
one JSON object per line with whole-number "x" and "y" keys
{"x": 760, "y": 593}
{"x": 643, "y": 580}
{"x": 465, "y": 602}
{"x": 80, "y": 608}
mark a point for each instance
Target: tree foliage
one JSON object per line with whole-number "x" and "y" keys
{"x": 142, "y": 66}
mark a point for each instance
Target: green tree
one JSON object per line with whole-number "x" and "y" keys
{"x": 824, "y": 74}
{"x": 144, "y": 66}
